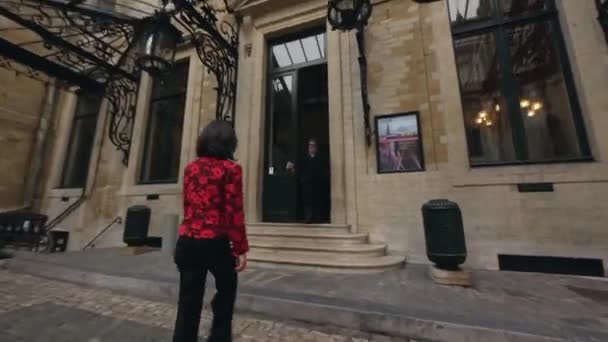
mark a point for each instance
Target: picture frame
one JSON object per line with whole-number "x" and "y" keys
{"x": 399, "y": 145}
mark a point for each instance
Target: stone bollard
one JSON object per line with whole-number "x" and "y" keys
{"x": 170, "y": 225}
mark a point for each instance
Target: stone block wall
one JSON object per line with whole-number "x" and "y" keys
{"x": 21, "y": 102}
{"x": 112, "y": 187}
{"x": 412, "y": 68}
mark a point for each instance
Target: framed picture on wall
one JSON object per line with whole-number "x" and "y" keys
{"x": 399, "y": 143}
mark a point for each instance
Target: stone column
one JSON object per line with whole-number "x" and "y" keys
{"x": 40, "y": 140}
{"x": 170, "y": 224}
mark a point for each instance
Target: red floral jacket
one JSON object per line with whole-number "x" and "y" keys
{"x": 213, "y": 202}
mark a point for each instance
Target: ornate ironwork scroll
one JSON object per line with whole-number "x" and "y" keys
{"x": 78, "y": 46}
{"x": 216, "y": 43}
{"x": 364, "y": 94}
{"x": 91, "y": 47}
{"x": 83, "y": 40}
{"x": 122, "y": 99}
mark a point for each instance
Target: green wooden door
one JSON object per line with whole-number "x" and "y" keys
{"x": 280, "y": 181}
{"x": 291, "y": 59}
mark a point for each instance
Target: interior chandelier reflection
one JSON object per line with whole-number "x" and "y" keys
{"x": 488, "y": 116}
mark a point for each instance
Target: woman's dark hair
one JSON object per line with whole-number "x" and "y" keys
{"x": 217, "y": 140}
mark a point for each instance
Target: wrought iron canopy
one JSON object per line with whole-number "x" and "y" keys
{"x": 96, "y": 44}
{"x": 78, "y": 45}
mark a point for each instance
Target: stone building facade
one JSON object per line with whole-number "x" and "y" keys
{"x": 413, "y": 65}
{"x": 22, "y": 104}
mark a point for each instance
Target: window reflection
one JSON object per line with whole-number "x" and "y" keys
{"x": 485, "y": 110}
{"x": 282, "y": 124}
{"x": 516, "y": 92}
{"x": 299, "y": 51}
{"x": 517, "y": 7}
{"x": 81, "y": 141}
{"x": 548, "y": 117}
{"x": 462, "y": 11}
{"x": 162, "y": 151}
{"x": 282, "y": 83}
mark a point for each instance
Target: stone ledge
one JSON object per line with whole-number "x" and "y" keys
{"x": 136, "y": 250}
{"x": 298, "y": 307}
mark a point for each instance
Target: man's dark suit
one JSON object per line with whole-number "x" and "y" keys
{"x": 313, "y": 180}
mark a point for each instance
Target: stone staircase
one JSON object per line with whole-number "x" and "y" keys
{"x": 326, "y": 247}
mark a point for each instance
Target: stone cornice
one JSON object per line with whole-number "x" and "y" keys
{"x": 249, "y": 7}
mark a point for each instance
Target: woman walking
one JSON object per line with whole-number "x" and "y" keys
{"x": 212, "y": 237}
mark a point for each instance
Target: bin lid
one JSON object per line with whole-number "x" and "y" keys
{"x": 58, "y": 232}
{"x": 138, "y": 208}
{"x": 440, "y": 204}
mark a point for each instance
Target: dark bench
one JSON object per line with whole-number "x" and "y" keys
{"x": 22, "y": 229}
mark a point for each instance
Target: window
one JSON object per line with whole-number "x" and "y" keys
{"x": 82, "y": 136}
{"x": 299, "y": 51}
{"x": 163, "y": 143}
{"x": 517, "y": 91}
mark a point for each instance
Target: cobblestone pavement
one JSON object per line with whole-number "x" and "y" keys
{"x": 36, "y": 309}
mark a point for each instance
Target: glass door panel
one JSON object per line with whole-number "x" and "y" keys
{"x": 280, "y": 180}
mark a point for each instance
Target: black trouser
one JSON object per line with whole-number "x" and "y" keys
{"x": 312, "y": 213}
{"x": 312, "y": 201}
{"x": 194, "y": 257}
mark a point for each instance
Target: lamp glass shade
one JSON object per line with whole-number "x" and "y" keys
{"x": 157, "y": 45}
{"x": 348, "y": 14}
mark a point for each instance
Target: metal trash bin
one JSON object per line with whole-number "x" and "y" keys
{"x": 58, "y": 241}
{"x": 137, "y": 225}
{"x": 444, "y": 234}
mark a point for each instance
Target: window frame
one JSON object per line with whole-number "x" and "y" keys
{"x": 497, "y": 25}
{"x": 76, "y": 117}
{"x": 151, "y": 101}
{"x": 274, "y": 72}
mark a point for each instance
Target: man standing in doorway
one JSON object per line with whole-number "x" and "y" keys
{"x": 313, "y": 178}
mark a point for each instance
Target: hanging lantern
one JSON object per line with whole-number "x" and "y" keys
{"x": 348, "y": 14}
{"x": 157, "y": 45}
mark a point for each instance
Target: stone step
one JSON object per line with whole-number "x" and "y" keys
{"x": 297, "y": 225}
{"x": 314, "y": 255}
{"x": 317, "y": 246}
{"x": 297, "y": 228}
{"x": 327, "y": 249}
{"x": 281, "y": 237}
{"x": 321, "y": 262}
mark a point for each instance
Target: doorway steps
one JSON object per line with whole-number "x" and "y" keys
{"x": 328, "y": 247}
